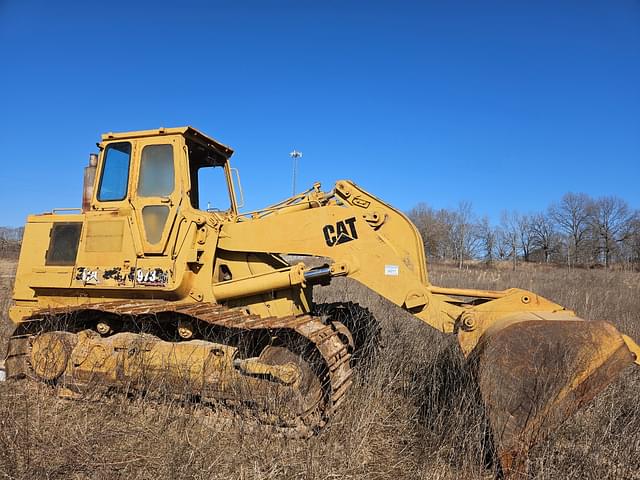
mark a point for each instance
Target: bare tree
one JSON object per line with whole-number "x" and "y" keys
{"x": 572, "y": 216}
{"x": 523, "y": 223}
{"x": 502, "y": 243}
{"x": 632, "y": 243}
{"x": 543, "y": 234}
{"x": 487, "y": 238}
{"x": 435, "y": 228}
{"x": 611, "y": 222}
{"x": 464, "y": 238}
{"x": 423, "y": 218}
{"x": 510, "y": 231}
{"x": 10, "y": 239}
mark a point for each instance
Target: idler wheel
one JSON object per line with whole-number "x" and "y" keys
{"x": 50, "y": 354}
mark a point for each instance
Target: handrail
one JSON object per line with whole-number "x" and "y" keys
{"x": 237, "y": 172}
{"x": 72, "y": 209}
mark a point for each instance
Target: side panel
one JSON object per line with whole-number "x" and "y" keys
{"x": 35, "y": 242}
{"x": 107, "y": 253}
{"x": 45, "y": 266}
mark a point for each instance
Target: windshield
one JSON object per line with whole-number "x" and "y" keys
{"x": 115, "y": 172}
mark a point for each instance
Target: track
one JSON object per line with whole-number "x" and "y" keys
{"x": 321, "y": 341}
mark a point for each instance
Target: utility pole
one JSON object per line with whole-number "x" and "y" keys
{"x": 295, "y": 155}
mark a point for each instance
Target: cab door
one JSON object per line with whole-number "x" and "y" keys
{"x": 157, "y": 196}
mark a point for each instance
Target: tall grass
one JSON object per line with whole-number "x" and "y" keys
{"x": 413, "y": 412}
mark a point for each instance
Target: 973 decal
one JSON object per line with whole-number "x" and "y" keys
{"x": 151, "y": 276}
{"x": 121, "y": 276}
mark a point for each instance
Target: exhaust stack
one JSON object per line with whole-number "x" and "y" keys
{"x": 89, "y": 180}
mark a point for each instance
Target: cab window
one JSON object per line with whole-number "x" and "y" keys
{"x": 212, "y": 189}
{"x": 115, "y": 172}
{"x": 209, "y": 190}
{"x": 156, "y": 171}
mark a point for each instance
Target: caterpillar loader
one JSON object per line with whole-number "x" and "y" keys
{"x": 147, "y": 287}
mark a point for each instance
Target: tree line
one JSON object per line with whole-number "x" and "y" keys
{"x": 577, "y": 230}
{"x": 10, "y": 239}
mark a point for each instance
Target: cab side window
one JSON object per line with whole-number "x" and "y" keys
{"x": 213, "y": 193}
{"x": 115, "y": 172}
{"x": 209, "y": 189}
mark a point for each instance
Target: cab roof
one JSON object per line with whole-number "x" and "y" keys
{"x": 188, "y": 132}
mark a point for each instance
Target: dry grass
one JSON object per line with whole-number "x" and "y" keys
{"x": 412, "y": 414}
{"x": 7, "y": 274}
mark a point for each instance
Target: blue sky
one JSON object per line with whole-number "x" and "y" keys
{"x": 504, "y": 104}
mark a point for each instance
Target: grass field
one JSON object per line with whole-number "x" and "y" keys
{"x": 411, "y": 414}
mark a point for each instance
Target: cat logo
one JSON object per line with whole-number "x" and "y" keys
{"x": 343, "y": 232}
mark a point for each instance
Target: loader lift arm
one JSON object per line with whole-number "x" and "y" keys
{"x": 371, "y": 242}
{"x": 512, "y": 339}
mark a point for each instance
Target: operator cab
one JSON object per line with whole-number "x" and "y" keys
{"x": 156, "y": 174}
{"x": 138, "y": 223}
{"x": 210, "y": 185}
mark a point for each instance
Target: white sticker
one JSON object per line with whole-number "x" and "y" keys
{"x": 152, "y": 277}
{"x": 87, "y": 276}
{"x": 392, "y": 270}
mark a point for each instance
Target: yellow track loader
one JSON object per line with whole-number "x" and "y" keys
{"x": 146, "y": 287}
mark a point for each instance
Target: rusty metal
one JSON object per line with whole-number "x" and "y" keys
{"x": 32, "y": 341}
{"x": 534, "y": 374}
{"x": 89, "y": 181}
